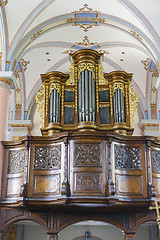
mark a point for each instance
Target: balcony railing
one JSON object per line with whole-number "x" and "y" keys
{"x": 81, "y": 168}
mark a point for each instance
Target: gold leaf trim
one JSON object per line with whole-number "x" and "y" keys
{"x": 56, "y": 86}
{"x": 133, "y": 100}
{"x": 40, "y": 96}
{"x": 118, "y": 85}
{"x": 89, "y": 66}
{"x": 70, "y": 80}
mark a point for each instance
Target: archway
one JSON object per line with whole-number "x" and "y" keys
{"x": 25, "y": 230}
{"x": 91, "y": 230}
{"x": 147, "y": 231}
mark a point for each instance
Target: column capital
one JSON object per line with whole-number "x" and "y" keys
{"x": 130, "y": 236}
{"x": 7, "y": 80}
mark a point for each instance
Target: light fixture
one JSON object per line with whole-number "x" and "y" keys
{"x": 87, "y": 235}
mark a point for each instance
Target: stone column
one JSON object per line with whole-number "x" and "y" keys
{"x": 51, "y": 236}
{"x": 129, "y": 236}
{"x": 6, "y": 83}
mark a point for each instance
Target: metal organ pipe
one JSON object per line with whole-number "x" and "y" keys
{"x": 119, "y": 109}
{"x": 86, "y": 97}
{"x": 54, "y": 106}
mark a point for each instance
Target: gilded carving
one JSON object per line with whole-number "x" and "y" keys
{"x": 85, "y": 42}
{"x": 84, "y": 21}
{"x": 85, "y": 9}
{"x": 118, "y": 85}
{"x": 102, "y": 80}
{"x": 16, "y": 161}
{"x": 127, "y": 157}
{"x": 135, "y": 34}
{"x": 40, "y": 97}
{"x": 36, "y": 34}
{"x": 88, "y": 154}
{"x": 146, "y": 63}
{"x": 88, "y": 182}
{"x": 24, "y": 64}
{"x": 110, "y": 95}
{"x": 104, "y": 104}
{"x": 89, "y": 66}
{"x": 47, "y": 158}
{"x": 133, "y": 99}
{"x": 4, "y": 2}
{"x": 56, "y": 86}
{"x": 155, "y": 161}
{"x": 70, "y": 80}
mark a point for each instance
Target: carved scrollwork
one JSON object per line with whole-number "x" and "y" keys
{"x": 56, "y": 86}
{"x": 102, "y": 80}
{"x": 127, "y": 158}
{"x": 40, "y": 103}
{"x": 47, "y": 158}
{"x": 16, "y": 161}
{"x": 88, "y": 154}
{"x": 155, "y": 161}
{"x": 89, "y": 66}
{"x": 70, "y": 80}
{"x": 133, "y": 100}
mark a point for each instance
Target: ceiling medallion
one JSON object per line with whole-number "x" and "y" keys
{"x": 85, "y": 18}
{"x": 135, "y": 34}
{"x": 85, "y": 9}
{"x": 86, "y": 42}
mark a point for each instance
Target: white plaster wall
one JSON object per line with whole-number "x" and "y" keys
{"x": 104, "y": 232}
{"x": 36, "y": 127}
{"x": 34, "y": 233}
{"x": 137, "y": 130}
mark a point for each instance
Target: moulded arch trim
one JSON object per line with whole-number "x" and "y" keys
{"x": 99, "y": 219}
{"x": 47, "y": 26}
{"x": 21, "y": 218}
{"x": 143, "y": 220}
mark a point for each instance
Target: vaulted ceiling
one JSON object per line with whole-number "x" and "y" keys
{"x": 37, "y": 37}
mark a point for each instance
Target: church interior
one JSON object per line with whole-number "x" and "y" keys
{"x": 79, "y": 120}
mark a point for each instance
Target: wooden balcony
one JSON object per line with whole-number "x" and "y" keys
{"x": 81, "y": 169}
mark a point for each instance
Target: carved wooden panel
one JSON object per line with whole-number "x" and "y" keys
{"x": 87, "y": 182}
{"x": 47, "y": 184}
{"x": 87, "y": 154}
{"x": 127, "y": 157}
{"x": 156, "y": 182}
{"x": 129, "y": 185}
{"x": 16, "y": 161}
{"x": 14, "y": 186}
{"x": 47, "y": 158}
{"x": 155, "y": 161}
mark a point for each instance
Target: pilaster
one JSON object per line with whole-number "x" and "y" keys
{"x": 51, "y": 236}
{"x": 6, "y": 83}
{"x": 129, "y": 236}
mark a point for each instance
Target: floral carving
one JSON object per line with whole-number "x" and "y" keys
{"x": 127, "y": 158}
{"x": 47, "y": 158}
{"x": 16, "y": 161}
{"x": 155, "y": 161}
{"x": 87, "y": 154}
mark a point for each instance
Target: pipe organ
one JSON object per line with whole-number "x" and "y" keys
{"x": 86, "y": 98}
